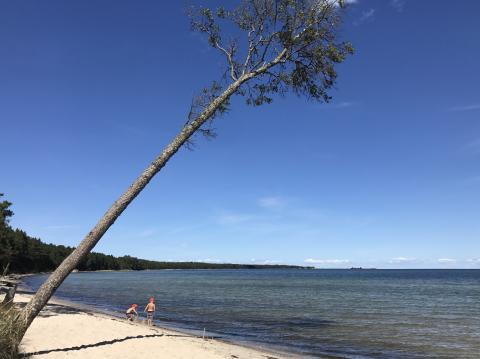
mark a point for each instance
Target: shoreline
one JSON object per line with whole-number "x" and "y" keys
{"x": 106, "y": 341}
{"x": 275, "y": 351}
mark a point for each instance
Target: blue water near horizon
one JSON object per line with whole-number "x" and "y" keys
{"x": 313, "y": 313}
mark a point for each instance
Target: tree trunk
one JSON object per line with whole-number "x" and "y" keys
{"x": 47, "y": 289}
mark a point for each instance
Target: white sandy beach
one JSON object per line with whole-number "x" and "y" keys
{"x": 65, "y": 331}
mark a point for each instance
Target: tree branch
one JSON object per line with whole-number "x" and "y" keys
{"x": 229, "y": 56}
{"x": 251, "y": 48}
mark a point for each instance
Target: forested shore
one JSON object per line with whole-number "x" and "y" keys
{"x": 25, "y": 254}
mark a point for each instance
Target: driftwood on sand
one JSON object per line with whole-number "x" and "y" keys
{"x": 8, "y": 285}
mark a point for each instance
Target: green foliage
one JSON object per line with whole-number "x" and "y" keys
{"x": 5, "y": 212}
{"x": 25, "y": 254}
{"x": 302, "y": 32}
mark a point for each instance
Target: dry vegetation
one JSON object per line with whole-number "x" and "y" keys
{"x": 8, "y": 333}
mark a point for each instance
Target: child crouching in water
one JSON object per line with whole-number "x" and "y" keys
{"x": 132, "y": 312}
{"x": 150, "y": 309}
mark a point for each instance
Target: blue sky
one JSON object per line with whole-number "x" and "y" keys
{"x": 387, "y": 175}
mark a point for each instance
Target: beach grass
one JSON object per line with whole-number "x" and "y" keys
{"x": 8, "y": 333}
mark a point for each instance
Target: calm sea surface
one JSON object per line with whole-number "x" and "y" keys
{"x": 314, "y": 313}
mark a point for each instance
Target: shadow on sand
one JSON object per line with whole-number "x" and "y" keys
{"x": 85, "y": 346}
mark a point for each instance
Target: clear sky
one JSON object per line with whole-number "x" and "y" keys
{"x": 387, "y": 175}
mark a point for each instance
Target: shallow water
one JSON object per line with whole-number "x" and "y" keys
{"x": 342, "y": 313}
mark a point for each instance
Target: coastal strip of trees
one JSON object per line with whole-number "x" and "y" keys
{"x": 25, "y": 254}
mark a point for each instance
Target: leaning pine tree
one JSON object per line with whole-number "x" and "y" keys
{"x": 289, "y": 46}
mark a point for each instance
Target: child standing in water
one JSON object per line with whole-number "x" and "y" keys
{"x": 150, "y": 309}
{"x": 132, "y": 313}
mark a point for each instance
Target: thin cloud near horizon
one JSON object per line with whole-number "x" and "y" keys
{"x": 326, "y": 261}
{"x": 446, "y": 260}
{"x": 271, "y": 202}
{"x": 464, "y": 108}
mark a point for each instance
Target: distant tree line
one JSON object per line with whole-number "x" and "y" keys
{"x": 25, "y": 254}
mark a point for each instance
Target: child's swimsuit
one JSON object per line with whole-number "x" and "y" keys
{"x": 130, "y": 313}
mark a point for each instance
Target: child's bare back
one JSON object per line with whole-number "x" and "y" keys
{"x": 150, "y": 309}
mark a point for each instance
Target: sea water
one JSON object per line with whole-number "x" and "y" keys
{"x": 313, "y": 313}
